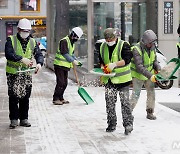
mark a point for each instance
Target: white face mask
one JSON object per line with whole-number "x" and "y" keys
{"x": 111, "y": 43}
{"x": 24, "y": 35}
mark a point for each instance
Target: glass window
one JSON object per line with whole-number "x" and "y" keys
{"x": 3, "y": 3}
{"x": 78, "y": 17}
{"x": 29, "y": 5}
{"x": 129, "y": 20}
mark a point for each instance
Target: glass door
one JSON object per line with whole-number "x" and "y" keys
{"x": 128, "y": 18}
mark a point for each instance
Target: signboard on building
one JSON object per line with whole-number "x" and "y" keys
{"x": 168, "y": 17}
{"x": 35, "y": 22}
{"x": 38, "y": 22}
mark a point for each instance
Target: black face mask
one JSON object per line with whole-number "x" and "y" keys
{"x": 74, "y": 39}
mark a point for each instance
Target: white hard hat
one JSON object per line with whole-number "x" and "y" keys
{"x": 24, "y": 24}
{"x": 148, "y": 37}
{"x": 78, "y": 31}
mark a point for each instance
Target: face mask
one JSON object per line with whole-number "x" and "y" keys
{"x": 74, "y": 39}
{"x": 24, "y": 35}
{"x": 111, "y": 43}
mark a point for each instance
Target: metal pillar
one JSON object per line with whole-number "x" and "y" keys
{"x": 123, "y": 28}
{"x": 90, "y": 35}
{"x": 151, "y": 15}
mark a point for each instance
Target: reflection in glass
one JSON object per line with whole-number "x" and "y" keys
{"x": 78, "y": 17}
{"x": 127, "y": 18}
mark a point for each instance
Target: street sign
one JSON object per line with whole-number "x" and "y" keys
{"x": 168, "y": 17}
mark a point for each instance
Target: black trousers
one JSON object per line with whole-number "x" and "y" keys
{"x": 19, "y": 92}
{"x": 61, "y": 83}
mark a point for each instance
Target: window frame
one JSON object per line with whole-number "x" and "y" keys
{"x": 5, "y": 2}
{"x": 38, "y": 7}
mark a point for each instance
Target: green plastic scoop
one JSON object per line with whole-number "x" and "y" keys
{"x": 99, "y": 72}
{"x": 81, "y": 91}
{"x": 30, "y": 69}
{"x": 171, "y": 76}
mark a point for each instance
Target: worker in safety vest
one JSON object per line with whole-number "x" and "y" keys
{"x": 63, "y": 62}
{"x": 115, "y": 55}
{"x": 144, "y": 65}
{"x": 19, "y": 51}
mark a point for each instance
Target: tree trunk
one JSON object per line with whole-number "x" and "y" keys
{"x": 57, "y": 23}
{"x": 61, "y": 20}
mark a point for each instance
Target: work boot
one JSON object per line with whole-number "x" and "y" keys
{"x": 25, "y": 123}
{"x": 57, "y": 102}
{"x": 128, "y": 129}
{"x": 13, "y": 124}
{"x": 150, "y": 115}
{"x": 111, "y": 128}
{"x": 64, "y": 101}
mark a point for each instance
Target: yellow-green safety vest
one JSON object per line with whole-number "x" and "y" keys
{"x": 123, "y": 73}
{"x": 59, "y": 59}
{"x": 11, "y": 66}
{"x": 147, "y": 62}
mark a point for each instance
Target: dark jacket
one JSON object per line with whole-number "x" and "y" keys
{"x": 11, "y": 55}
{"x": 63, "y": 47}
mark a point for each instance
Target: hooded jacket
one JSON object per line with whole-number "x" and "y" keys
{"x": 138, "y": 61}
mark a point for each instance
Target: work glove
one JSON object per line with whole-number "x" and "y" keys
{"x": 153, "y": 78}
{"x": 77, "y": 63}
{"x": 27, "y": 62}
{"x": 108, "y": 68}
{"x": 156, "y": 72}
{"x": 38, "y": 68}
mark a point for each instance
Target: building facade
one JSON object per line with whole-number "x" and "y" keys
{"x": 13, "y": 10}
{"x": 130, "y": 17}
